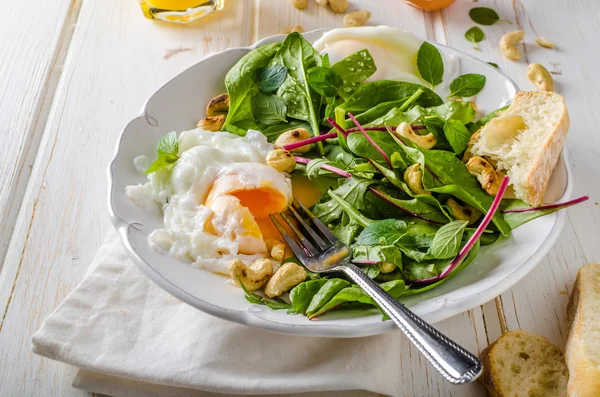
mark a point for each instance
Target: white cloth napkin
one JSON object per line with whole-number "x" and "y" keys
{"x": 130, "y": 338}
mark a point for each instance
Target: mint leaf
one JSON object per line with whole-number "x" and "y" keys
{"x": 161, "y": 162}
{"x": 485, "y": 16}
{"x": 168, "y": 144}
{"x": 474, "y": 35}
{"x": 457, "y": 135}
{"x": 270, "y": 78}
{"x": 446, "y": 242}
{"x": 467, "y": 85}
{"x": 268, "y": 109}
{"x": 430, "y": 64}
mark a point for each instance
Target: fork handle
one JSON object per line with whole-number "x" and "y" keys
{"x": 456, "y": 364}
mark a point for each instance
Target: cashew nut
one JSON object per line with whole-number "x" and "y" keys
{"x": 387, "y": 267}
{"x": 276, "y": 248}
{"x": 293, "y": 136}
{"x": 540, "y": 76}
{"x": 356, "y": 18}
{"x": 544, "y": 42}
{"x": 425, "y": 141}
{"x": 212, "y": 123}
{"x": 472, "y": 141}
{"x": 508, "y": 44}
{"x": 485, "y": 174}
{"x": 253, "y": 277}
{"x": 281, "y": 160}
{"x": 323, "y": 3}
{"x": 339, "y": 6}
{"x": 285, "y": 278}
{"x": 463, "y": 212}
{"x": 300, "y": 4}
{"x": 414, "y": 179}
{"x": 218, "y": 105}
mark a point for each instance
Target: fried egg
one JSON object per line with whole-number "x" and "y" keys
{"x": 216, "y": 200}
{"x": 394, "y": 52}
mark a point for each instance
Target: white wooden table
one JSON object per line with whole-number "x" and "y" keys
{"x": 73, "y": 72}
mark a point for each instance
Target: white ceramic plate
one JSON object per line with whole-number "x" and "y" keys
{"x": 177, "y": 106}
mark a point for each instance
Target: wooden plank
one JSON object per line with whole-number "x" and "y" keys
{"x": 32, "y": 46}
{"x": 116, "y": 60}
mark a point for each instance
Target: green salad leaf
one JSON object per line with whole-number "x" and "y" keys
{"x": 386, "y": 231}
{"x": 270, "y": 78}
{"x": 430, "y": 64}
{"x": 353, "y": 70}
{"x": 167, "y": 150}
{"x": 351, "y": 190}
{"x": 467, "y": 85}
{"x": 446, "y": 242}
{"x": 268, "y": 109}
{"x": 485, "y": 16}
{"x": 457, "y": 134}
{"x": 302, "y": 294}
{"x": 324, "y": 81}
{"x": 475, "y": 35}
{"x": 331, "y": 287}
{"x": 494, "y": 65}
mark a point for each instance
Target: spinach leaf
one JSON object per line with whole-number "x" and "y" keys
{"x": 313, "y": 168}
{"x": 430, "y": 64}
{"x": 268, "y": 109}
{"x": 485, "y": 119}
{"x": 467, "y": 85}
{"x": 485, "y": 16}
{"x": 241, "y": 85}
{"x": 302, "y": 294}
{"x": 374, "y": 113}
{"x": 270, "y": 78}
{"x": 167, "y": 150}
{"x": 353, "y": 70}
{"x": 331, "y": 287}
{"x": 272, "y": 132}
{"x": 347, "y": 229}
{"x": 352, "y": 190}
{"x": 324, "y": 81}
{"x": 384, "y": 232}
{"x": 494, "y": 65}
{"x": 371, "y": 94}
{"x": 360, "y": 146}
{"x": 446, "y": 243}
{"x": 462, "y": 111}
{"x": 254, "y": 298}
{"x": 298, "y": 56}
{"x": 457, "y": 134}
{"x": 379, "y": 253}
{"x": 475, "y": 35}
{"x": 349, "y": 209}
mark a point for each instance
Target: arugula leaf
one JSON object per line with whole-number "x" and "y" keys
{"x": 467, "y": 85}
{"x": 485, "y": 16}
{"x": 241, "y": 85}
{"x": 457, "y": 135}
{"x": 352, "y": 190}
{"x": 349, "y": 209}
{"x": 313, "y": 168}
{"x": 270, "y": 78}
{"x": 302, "y": 294}
{"x": 475, "y": 35}
{"x": 353, "y": 70}
{"x": 324, "y": 81}
{"x": 347, "y": 229}
{"x": 384, "y": 232}
{"x": 369, "y": 95}
{"x": 167, "y": 149}
{"x": 446, "y": 243}
{"x": 331, "y": 287}
{"x": 430, "y": 64}
{"x": 268, "y": 109}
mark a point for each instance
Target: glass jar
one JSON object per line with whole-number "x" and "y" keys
{"x": 430, "y": 5}
{"x": 179, "y": 11}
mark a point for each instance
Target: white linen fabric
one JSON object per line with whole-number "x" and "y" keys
{"x": 131, "y": 338}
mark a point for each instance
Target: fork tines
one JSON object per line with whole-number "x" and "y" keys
{"x": 309, "y": 241}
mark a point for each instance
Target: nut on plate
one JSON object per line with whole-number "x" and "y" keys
{"x": 218, "y": 105}
{"x": 281, "y": 160}
{"x": 540, "y": 76}
{"x": 293, "y": 136}
{"x": 285, "y": 278}
{"x": 544, "y": 42}
{"x": 463, "y": 212}
{"x": 508, "y": 44}
{"x": 414, "y": 179}
{"x": 424, "y": 141}
{"x": 212, "y": 123}
{"x": 485, "y": 174}
{"x": 254, "y": 276}
{"x": 386, "y": 267}
{"x": 300, "y": 4}
{"x": 356, "y": 18}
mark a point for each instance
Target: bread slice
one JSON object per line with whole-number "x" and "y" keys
{"x": 583, "y": 343}
{"x": 525, "y": 141}
{"x": 522, "y": 364}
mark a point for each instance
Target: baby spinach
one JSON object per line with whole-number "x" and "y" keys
{"x": 353, "y": 70}
{"x": 430, "y": 64}
{"x": 347, "y": 229}
{"x": 167, "y": 150}
{"x": 457, "y": 135}
{"x": 360, "y": 146}
{"x": 241, "y": 84}
{"x": 331, "y": 287}
{"x": 324, "y": 81}
{"x": 383, "y": 232}
{"x": 475, "y": 35}
{"x": 268, "y": 109}
{"x": 270, "y": 78}
{"x": 485, "y": 16}
{"x": 446, "y": 243}
{"x": 377, "y": 253}
{"x": 302, "y": 294}
{"x": 352, "y": 190}
{"x": 349, "y": 209}
{"x": 467, "y": 85}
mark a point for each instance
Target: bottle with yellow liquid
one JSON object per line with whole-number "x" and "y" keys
{"x": 179, "y": 11}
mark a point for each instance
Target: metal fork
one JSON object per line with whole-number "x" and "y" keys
{"x": 321, "y": 252}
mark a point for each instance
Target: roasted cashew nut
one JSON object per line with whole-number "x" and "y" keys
{"x": 424, "y": 141}
{"x": 339, "y": 6}
{"x": 414, "y": 179}
{"x": 285, "y": 278}
{"x": 281, "y": 160}
{"x": 463, "y": 212}
{"x": 293, "y": 136}
{"x": 544, "y": 42}
{"x": 212, "y": 123}
{"x": 253, "y": 277}
{"x": 485, "y": 174}
{"x": 508, "y": 44}
{"x": 540, "y": 76}
{"x": 277, "y": 249}
{"x": 387, "y": 267}
{"x": 472, "y": 141}
{"x": 323, "y": 3}
{"x": 300, "y": 4}
{"x": 218, "y": 105}
{"x": 356, "y": 18}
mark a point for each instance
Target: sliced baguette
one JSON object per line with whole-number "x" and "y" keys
{"x": 526, "y": 141}
{"x": 522, "y": 364}
{"x": 583, "y": 343}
